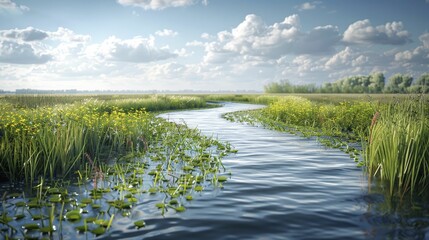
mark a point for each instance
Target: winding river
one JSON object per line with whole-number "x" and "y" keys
{"x": 282, "y": 187}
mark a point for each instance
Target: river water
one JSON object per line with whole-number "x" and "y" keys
{"x": 282, "y": 187}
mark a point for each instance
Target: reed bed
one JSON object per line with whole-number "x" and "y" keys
{"x": 52, "y": 141}
{"x": 397, "y": 150}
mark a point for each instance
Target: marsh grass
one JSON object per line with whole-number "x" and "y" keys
{"x": 398, "y": 148}
{"x": 52, "y": 141}
{"x": 119, "y": 154}
{"x": 391, "y": 130}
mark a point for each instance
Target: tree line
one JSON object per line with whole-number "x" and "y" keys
{"x": 373, "y": 83}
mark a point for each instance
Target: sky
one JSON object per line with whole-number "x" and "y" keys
{"x": 207, "y": 45}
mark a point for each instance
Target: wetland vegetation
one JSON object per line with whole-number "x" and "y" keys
{"x": 386, "y": 134}
{"x": 78, "y": 162}
{"x": 81, "y": 163}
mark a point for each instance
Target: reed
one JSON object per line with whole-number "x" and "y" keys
{"x": 52, "y": 141}
{"x": 398, "y": 148}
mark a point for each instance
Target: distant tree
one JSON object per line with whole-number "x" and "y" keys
{"x": 284, "y": 86}
{"x": 273, "y": 87}
{"x": 376, "y": 83}
{"x": 398, "y": 83}
{"x": 421, "y": 85}
{"x": 278, "y": 87}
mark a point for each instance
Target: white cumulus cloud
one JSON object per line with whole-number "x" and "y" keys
{"x": 137, "y": 50}
{"x": 21, "y": 53}
{"x": 419, "y": 55}
{"x": 157, "y": 4}
{"x": 67, "y": 35}
{"x": 362, "y": 31}
{"x": 27, "y": 34}
{"x": 346, "y": 58}
{"x": 255, "y": 38}
{"x": 308, "y": 6}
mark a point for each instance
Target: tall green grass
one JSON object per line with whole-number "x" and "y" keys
{"x": 397, "y": 151}
{"x": 52, "y": 141}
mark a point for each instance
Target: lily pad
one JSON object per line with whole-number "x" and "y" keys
{"x": 99, "y": 231}
{"x": 160, "y": 205}
{"x": 102, "y": 222}
{"x": 140, "y": 224}
{"x": 38, "y": 217}
{"x": 222, "y": 178}
{"x": 152, "y": 190}
{"x": 19, "y": 216}
{"x": 31, "y": 226}
{"x": 180, "y": 209}
{"x": 73, "y": 215}
{"x": 47, "y": 229}
{"x": 55, "y": 199}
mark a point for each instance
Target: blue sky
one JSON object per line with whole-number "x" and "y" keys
{"x": 206, "y": 44}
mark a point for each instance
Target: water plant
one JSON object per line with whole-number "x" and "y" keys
{"x": 397, "y": 150}
{"x": 115, "y": 153}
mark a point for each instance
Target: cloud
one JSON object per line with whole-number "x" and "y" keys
{"x": 137, "y": 50}
{"x": 21, "y": 53}
{"x": 67, "y": 35}
{"x": 195, "y": 44}
{"x": 30, "y": 34}
{"x": 27, "y": 34}
{"x": 392, "y": 33}
{"x": 10, "y": 6}
{"x": 346, "y": 58}
{"x": 424, "y": 38}
{"x": 419, "y": 55}
{"x": 308, "y": 6}
{"x": 30, "y": 45}
{"x": 255, "y": 38}
{"x": 166, "y": 33}
{"x": 157, "y": 4}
